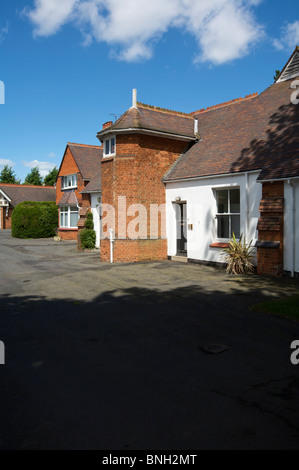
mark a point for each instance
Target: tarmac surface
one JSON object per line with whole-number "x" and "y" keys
{"x": 113, "y": 357}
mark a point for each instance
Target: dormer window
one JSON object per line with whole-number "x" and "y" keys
{"x": 69, "y": 182}
{"x": 109, "y": 147}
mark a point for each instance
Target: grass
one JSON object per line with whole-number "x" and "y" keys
{"x": 287, "y": 307}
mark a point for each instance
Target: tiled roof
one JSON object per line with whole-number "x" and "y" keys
{"x": 20, "y": 192}
{"x": 87, "y": 157}
{"x": 69, "y": 198}
{"x": 94, "y": 185}
{"x": 151, "y": 119}
{"x": 259, "y": 133}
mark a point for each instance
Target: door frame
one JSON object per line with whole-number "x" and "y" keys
{"x": 181, "y": 215}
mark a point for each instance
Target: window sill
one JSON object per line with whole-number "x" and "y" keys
{"x": 70, "y": 187}
{"x": 67, "y": 229}
{"x": 219, "y": 245}
{"x": 110, "y": 156}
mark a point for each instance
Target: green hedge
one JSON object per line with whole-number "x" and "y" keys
{"x": 88, "y": 235}
{"x": 88, "y": 239}
{"x": 34, "y": 220}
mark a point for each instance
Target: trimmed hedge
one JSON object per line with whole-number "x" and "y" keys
{"x": 34, "y": 220}
{"x": 88, "y": 239}
{"x": 88, "y": 235}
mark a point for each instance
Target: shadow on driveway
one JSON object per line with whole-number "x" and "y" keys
{"x": 126, "y": 370}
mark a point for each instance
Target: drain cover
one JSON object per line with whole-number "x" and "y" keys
{"x": 215, "y": 348}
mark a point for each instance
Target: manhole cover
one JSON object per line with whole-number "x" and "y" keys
{"x": 215, "y": 348}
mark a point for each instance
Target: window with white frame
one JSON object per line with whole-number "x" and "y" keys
{"x": 228, "y": 212}
{"x": 69, "y": 216}
{"x": 109, "y": 147}
{"x": 69, "y": 182}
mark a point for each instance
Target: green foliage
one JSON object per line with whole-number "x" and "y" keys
{"x": 51, "y": 177}
{"x": 238, "y": 256}
{"x": 89, "y": 221}
{"x": 34, "y": 220}
{"x": 288, "y": 307}
{"x": 34, "y": 177}
{"x": 277, "y": 73}
{"x": 8, "y": 176}
{"x": 88, "y": 239}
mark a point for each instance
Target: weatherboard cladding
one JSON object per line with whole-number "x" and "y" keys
{"x": 20, "y": 193}
{"x": 261, "y": 133}
{"x": 291, "y": 68}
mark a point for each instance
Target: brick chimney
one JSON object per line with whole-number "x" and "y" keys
{"x": 107, "y": 124}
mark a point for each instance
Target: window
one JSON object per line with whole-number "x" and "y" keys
{"x": 228, "y": 212}
{"x": 69, "y": 181}
{"x": 69, "y": 216}
{"x": 109, "y": 147}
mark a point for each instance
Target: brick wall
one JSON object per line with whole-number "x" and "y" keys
{"x": 136, "y": 173}
{"x": 5, "y": 220}
{"x": 69, "y": 167}
{"x": 271, "y": 230}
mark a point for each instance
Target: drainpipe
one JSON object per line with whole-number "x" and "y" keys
{"x": 111, "y": 244}
{"x": 293, "y": 226}
{"x": 246, "y": 206}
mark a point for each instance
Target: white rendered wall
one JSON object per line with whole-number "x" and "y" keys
{"x": 95, "y": 209}
{"x": 288, "y": 229}
{"x": 201, "y": 210}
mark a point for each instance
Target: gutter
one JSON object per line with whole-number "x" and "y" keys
{"x": 194, "y": 178}
{"x": 135, "y": 130}
{"x": 293, "y": 226}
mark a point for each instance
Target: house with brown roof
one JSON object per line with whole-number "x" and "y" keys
{"x": 78, "y": 189}
{"x": 179, "y": 185}
{"x": 13, "y": 194}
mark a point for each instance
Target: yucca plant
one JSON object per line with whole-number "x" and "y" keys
{"x": 238, "y": 256}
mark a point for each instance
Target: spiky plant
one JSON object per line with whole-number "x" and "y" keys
{"x": 238, "y": 256}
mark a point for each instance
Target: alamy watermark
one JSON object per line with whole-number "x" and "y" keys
{"x": 295, "y": 355}
{"x": 295, "y": 94}
{"x": 2, "y": 92}
{"x": 2, "y": 353}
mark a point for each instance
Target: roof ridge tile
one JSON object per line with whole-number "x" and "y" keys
{"x": 226, "y": 103}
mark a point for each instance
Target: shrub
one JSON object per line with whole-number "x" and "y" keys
{"x": 34, "y": 220}
{"x": 238, "y": 256}
{"x": 88, "y": 239}
{"x": 89, "y": 221}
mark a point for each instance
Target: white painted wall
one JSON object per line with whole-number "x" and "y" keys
{"x": 95, "y": 209}
{"x": 288, "y": 229}
{"x": 201, "y": 210}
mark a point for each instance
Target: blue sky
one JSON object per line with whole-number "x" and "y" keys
{"x": 69, "y": 65}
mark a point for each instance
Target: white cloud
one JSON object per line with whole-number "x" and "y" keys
{"x": 289, "y": 36}
{"x": 52, "y": 155}
{"x": 44, "y": 167}
{"x": 224, "y": 29}
{"x": 3, "y": 31}
{"x": 6, "y": 161}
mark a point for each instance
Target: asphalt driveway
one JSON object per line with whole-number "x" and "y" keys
{"x": 112, "y": 357}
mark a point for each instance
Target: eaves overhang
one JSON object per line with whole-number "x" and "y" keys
{"x": 137, "y": 130}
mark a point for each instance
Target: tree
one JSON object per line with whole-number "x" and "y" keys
{"x": 51, "y": 177}
{"x": 277, "y": 73}
{"x": 34, "y": 177}
{"x": 7, "y": 175}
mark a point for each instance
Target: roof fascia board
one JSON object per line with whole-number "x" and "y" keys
{"x": 136, "y": 130}
{"x": 222, "y": 175}
{"x": 5, "y": 195}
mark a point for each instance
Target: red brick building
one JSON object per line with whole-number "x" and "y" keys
{"x": 79, "y": 168}
{"x": 13, "y": 194}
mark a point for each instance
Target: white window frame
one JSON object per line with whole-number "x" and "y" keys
{"x": 66, "y": 178}
{"x": 228, "y": 214}
{"x": 109, "y": 141}
{"x": 68, "y": 213}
